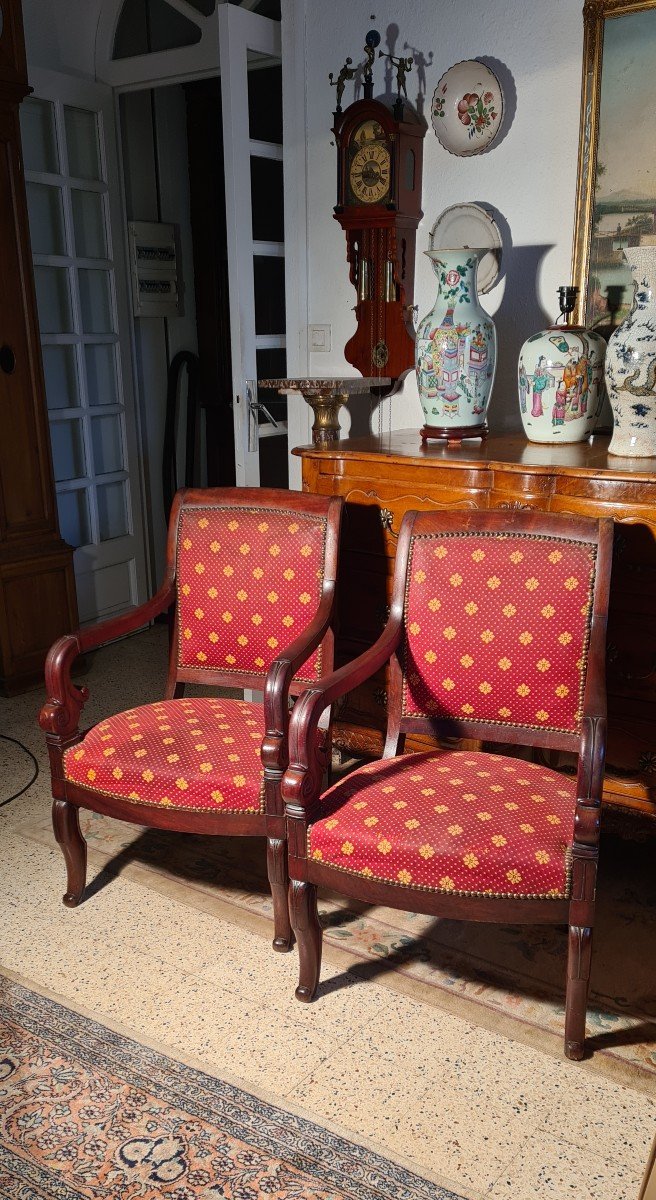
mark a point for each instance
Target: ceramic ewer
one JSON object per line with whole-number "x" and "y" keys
{"x": 560, "y": 381}
{"x": 631, "y": 363}
{"x": 456, "y": 349}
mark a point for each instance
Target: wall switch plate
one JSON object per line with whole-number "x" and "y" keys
{"x": 319, "y": 339}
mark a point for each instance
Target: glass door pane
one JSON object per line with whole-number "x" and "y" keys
{"x": 44, "y": 204}
{"x": 38, "y": 135}
{"x": 102, "y": 383}
{"x": 60, "y": 370}
{"x": 82, "y": 143}
{"x": 53, "y": 299}
{"x": 67, "y": 450}
{"x": 88, "y": 224}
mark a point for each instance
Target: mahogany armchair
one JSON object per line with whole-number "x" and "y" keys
{"x": 250, "y": 585}
{"x": 496, "y": 633}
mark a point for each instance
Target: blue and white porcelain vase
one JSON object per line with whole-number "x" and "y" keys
{"x": 631, "y": 363}
{"x": 456, "y": 350}
{"x": 560, "y": 380}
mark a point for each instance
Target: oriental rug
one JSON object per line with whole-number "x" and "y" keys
{"x": 510, "y": 978}
{"x": 88, "y": 1114}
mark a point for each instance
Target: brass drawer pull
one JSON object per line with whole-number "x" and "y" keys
{"x": 386, "y": 519}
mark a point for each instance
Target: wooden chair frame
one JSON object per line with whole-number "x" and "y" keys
{"x": 60, "y": 715}
{"x": 302, "y": 783}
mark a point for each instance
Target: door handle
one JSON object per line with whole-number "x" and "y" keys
{"x": 255, "y": 407}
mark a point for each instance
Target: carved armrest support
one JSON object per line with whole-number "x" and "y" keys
{"x": 279, "y": 679}
{"x": 589, "y": 784}
{"x": 301, "y": 784}
{"x": 60, "y": 715}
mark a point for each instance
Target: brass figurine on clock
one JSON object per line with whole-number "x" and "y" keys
{"x": 379, "y": 208}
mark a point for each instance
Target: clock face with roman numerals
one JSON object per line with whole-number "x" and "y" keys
{"x": 369, "y": 169}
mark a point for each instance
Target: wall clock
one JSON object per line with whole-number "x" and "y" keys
{"x": 379, "y": 161}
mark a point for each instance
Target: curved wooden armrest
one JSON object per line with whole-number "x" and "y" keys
{"x": 61, "y": 713}
{"x": 301, "y": 782}
{"x": 283, "y": 669}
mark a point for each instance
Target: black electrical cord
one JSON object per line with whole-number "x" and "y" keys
{"x": 5, "y": 738}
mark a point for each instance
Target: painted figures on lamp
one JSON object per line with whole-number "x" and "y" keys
{"x": 560, "y": 371}
{"x": 540, "y": 382}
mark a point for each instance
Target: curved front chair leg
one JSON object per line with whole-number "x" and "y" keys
{"x": 66, "y": 824}
{"x": 283, "y": 938}
{"x": 578, "y": 978}
{"x": 305, "y": 923}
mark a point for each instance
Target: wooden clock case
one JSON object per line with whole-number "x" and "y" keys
{"x": 379, "y": 234}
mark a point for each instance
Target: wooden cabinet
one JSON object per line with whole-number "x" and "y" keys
{"x": 37, "y": 586}
{"x": 381, "y": 478}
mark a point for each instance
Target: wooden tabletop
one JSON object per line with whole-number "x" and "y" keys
{"x": 308, "y": 386}
{"x": 510, "y": 450}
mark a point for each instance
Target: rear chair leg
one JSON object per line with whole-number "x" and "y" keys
{"x": 305, "y": 923}
{"x": 578, "y": 978}
{"x": 66, "y": 824}
{"x": 283, "y": 938}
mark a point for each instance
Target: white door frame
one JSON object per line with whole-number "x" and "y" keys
{"x": 295, "y": 167}
{"x": 239, "y": 32}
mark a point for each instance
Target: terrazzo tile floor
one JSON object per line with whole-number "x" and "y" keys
{"x": 478, "y": 1112}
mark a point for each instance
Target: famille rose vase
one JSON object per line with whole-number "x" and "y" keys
{"x": 631, "y": 363}
{"x": 560, "y": 379}
{"x": 456, "y": 350}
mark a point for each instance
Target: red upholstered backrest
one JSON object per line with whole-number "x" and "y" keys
{"x": 497, "y": 628}
{"x": 248, "y": 582}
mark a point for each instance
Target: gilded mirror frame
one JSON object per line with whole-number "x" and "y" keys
{"x": 595, "y": 15}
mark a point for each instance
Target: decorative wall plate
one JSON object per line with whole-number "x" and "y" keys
{"x": 470, "y": 225}
{"x": 467, "y": 108}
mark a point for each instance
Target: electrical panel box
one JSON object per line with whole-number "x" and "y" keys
{"x": 154, "y": 269}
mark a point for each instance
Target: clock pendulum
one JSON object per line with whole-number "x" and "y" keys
{"x": 379, "y": 158}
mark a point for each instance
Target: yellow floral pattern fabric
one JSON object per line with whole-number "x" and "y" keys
{"x": 248, "y": 583}
{"x": 461, "y": 822}
{"x": 497, "y": 628}
{"x": 201, "y": 754}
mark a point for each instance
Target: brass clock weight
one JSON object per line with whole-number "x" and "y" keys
{"x": 379, "y": 161}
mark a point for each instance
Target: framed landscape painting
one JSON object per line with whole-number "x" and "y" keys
{"x": 616, "y": 191}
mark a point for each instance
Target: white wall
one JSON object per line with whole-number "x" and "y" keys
{"x": 61, "y": 34}
{"x": 527, "y": 177}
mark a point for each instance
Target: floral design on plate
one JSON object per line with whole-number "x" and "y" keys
{"x": 467, "y": 108}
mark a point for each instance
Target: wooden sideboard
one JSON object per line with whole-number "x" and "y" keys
{"x": 381, "y": 478}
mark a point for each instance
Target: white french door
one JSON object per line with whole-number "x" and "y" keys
{"x": 71, "y": 173}
{"x": 254, "y": 190}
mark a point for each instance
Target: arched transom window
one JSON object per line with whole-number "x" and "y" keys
{"x": 150, "y": 26}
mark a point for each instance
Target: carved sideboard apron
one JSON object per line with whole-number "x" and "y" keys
{"x": 381, "y": 477}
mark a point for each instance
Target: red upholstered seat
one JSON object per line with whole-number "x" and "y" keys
{"x": 454, "y": 822}
{"x": 197, "y": 754}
